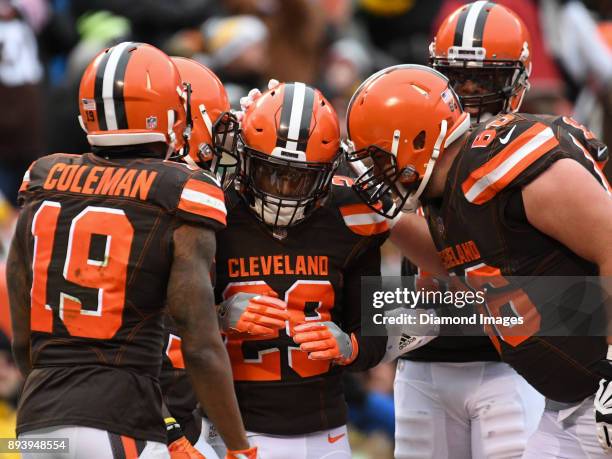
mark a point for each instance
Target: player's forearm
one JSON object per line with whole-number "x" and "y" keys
{"x": 411, "y": 236}
{"x": 371, "y": 352}
{"x": 209, "y": 368}
{"x": 19, "y": 301}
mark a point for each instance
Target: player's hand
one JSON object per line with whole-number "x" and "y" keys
{"x": 253, "y": 314}
{"x": 252, "y": 96}
{"x": 183, "y": 449}
{"x": 250, "y": 453}
{"x": 326, "y": 341}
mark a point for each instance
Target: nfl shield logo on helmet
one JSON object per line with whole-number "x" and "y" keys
{"x": 88, "y": 104}
{"x": 152, "y": 122}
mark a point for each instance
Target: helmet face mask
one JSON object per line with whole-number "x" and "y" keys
{"x": 222, "y": 154}
{"x": 382, "y": 186}
{"x": 283, "y": 192}
{"x": 485, "y": 87}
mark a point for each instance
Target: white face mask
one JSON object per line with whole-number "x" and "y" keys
{"x": 275, "y": 214}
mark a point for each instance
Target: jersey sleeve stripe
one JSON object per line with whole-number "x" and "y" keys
{"x": 370, "y": 229}
{"x": 202, "y": 203}
{"x": 354, "y": 209}
{"x": 602, "y": 178}
{"x": 366, "y": 224}
{"x": 203, "y": 187}
{"x": 26, "y": 180}
{"x": 363, "y": 219}
{"x": 173, "y": 351}
{"x": 504, "y": 154}
{"x": 489, "y": 179}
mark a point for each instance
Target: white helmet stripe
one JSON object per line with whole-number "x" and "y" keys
{"x": 108, "y": 85}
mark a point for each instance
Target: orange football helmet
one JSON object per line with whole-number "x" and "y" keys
{"x": 399, "y": 121}
{"x": 290, "y": 148}
{"x": 211, "y": 129}
{"x": 484, "y": 49}
{"x": 132, "y": 94}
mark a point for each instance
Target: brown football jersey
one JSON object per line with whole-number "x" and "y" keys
{"x": 480, "y": 229}
{"x": 316, "y": 267}
{"x": 98, "y": 233}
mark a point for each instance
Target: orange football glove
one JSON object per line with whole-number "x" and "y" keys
{"x": 250, "y": 453}
{"x": 183, "y": 449}
{"x": 253, "y": 314}
{"x": 326, "y": 341}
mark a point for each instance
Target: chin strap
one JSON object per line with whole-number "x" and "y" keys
{"x": 171, "y": 135}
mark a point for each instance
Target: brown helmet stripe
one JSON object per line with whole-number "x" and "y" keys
{"x": 119, "y": 85}
{"x": 282, "y": 132}
{"x": 480, "y": 25}
{"x": 98, "y": 90}
{"x": 296, "y": 114}
{"x": 470, "y": 24}
{"x": 460, "y": 26}
{"x": 108, "y": 91}
{"x": 307, "y": 111}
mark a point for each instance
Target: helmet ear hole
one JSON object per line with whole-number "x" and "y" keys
{"x": 418, "y": 143}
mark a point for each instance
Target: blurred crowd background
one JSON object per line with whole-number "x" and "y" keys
{"x": 331, "y": 44}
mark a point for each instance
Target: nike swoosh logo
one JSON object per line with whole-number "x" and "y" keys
{"x": 331, "y": 439}
{"x": 602, "y": 152}
{"x": 504, "y": 140}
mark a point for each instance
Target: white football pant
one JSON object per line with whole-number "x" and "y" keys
{"x": 90, "y": 443}
{"x": 478, "y": 410}
{"x": 569, "y": 434}
{"x": 326, "y": 444}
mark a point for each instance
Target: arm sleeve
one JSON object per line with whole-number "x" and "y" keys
{"x": 371, "y": 348}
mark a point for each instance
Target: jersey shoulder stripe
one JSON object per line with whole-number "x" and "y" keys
{"x": 497, "y": 173}
{"x": 357, "y": 216}
{"x": 362, "y": 220}
{"x": 203, "y": 199}
{"x": 26, "y": 179}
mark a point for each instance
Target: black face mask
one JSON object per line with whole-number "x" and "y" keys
{"x": 486, "y": 88}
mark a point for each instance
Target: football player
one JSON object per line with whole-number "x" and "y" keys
{"x": 211, "y": 131}
{"x": 298, "y": 232}
{"x": 483, "y": 49}
{"x": 524, "y": 191}
{"x": 103, "y": 241}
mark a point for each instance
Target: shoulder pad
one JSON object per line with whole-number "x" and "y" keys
{"x": 501, "y": 152}
{"x": 357, "y": 216}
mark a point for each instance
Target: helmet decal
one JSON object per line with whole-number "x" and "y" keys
{"x": 108, "y": 89}
{"x": 296, "y": 115}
